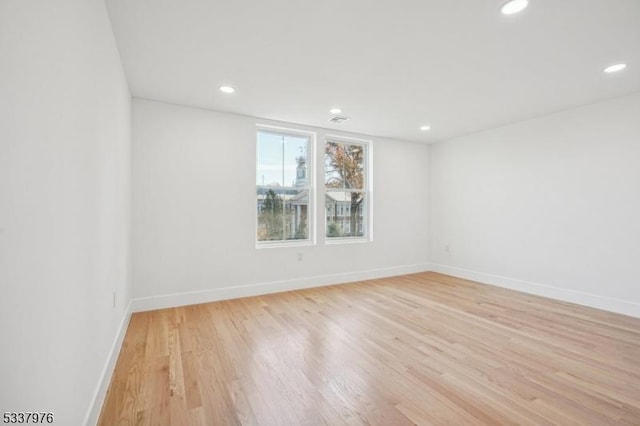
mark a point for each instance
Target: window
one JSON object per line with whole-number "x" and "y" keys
{"x": 284, "y": 182}
{"x": 347, "y": 193}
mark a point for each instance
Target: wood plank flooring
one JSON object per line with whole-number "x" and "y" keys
{"x": 417, "y": 349}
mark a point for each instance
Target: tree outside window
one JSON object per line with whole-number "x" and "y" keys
{"x": 345, "y": 189}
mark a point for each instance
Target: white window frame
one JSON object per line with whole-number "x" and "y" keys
{"x": 367, "y": 190}
{"x": 311, "y": 187}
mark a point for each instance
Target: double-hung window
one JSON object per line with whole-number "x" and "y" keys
{"x": 284, "y": 186}
{"x": 347, "y": 190}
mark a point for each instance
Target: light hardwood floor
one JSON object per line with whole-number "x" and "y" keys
{"x": 417, "y": 349}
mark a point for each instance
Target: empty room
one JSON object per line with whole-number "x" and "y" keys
{"x": 328, "y": 212}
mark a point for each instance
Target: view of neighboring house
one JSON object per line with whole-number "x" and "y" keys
{"x": 284, "y": 210}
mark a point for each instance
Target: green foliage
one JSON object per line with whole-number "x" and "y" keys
{"x": 301, "y": 232}
{"x": 272, "y": 203}
{"x": 271, "y": 219}
{"x": 334, "y": 230}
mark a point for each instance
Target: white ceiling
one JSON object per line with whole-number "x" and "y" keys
{"x": 458, "y": 65}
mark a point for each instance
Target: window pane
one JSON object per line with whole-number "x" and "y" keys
{"x": 270, "y": 205}
{"x": 345, "y": 213}
{"x": 344, "y": 165}
{"x": 282, "y": 214}
{"x": 283, "y": 180}
{"x": 296, "y": 207}
{"x": 279, "y": 158}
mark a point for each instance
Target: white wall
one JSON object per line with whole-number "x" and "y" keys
{"x": 549, "y": 206}
{"x": 194, "y": 212}
{"x": 64, "y": 204}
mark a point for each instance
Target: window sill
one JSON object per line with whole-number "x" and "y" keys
{"x": 348, "y": 240}
{"x": 277, "y": 244}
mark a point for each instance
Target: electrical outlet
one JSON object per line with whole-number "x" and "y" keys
{"x": 447, "y": 249}
{"x": 299, "y": 257}
{"x": 114, "y": 300}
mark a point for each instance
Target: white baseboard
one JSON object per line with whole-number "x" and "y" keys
{"x": 566, "y": 295}
{"x": 237, "y": 291}
{"x": 105, "y": 378}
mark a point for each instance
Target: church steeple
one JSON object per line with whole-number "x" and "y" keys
{"x": 301, "y": 170}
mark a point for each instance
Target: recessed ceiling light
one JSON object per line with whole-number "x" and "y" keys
{"x": 425, "y": 128}
{"x": 514, "y": 6}
{"x": 335, "y": 111}
{"x": 615, "y": 68}
{"x": 227, "y": 89}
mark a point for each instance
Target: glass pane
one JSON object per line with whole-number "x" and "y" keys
{"x": 345, "y": 213}
{"x": 344, "y": 166}
{"x": 296, "y": 207}
{"x": 282, "y": 214}
{"x": 281, "y": 160}
{"x": 270, "y": 207}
